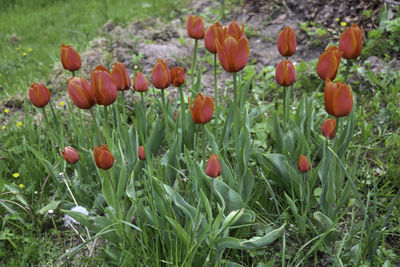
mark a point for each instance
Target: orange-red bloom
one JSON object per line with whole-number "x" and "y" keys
{"x": 328, "y": 63}
{"x": 233, "y": 50}
{"x": 70, "y": 154}
{"x": 121, "y": 76}
{"x": 80, "y": 92}
{"x": 177, "y": 76}
{"x": 285, "y": 73}
{"x": 103, "y": 157}
{"x": 328, "y": 128}
{"x": 213, "y": 33}
{"x": 338, "y": 99}
{"x": 350, "y": 42}
{"x": 160, "y": 74}
{"x": 101, "y": 67}
{"x": 195, "y": 27}
{"x": 235, "y": 30}
{"x": 70, "y": 59}
{"x": 140, "y": 83}
{"x": 304, "y": 166}
{"x": 202, "y": 109}
{"x": 213, "y": 168}
{"x": 287, "y": 42}
{"x": 141, "y": 154}
{"x": 103, "y": 86}
{"x": 39, "y": 95}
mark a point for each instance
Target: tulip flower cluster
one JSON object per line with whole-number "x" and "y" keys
{"x": 285, "y": 73}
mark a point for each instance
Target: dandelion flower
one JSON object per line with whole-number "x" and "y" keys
{"x": 18, "y": 48}
{"x": 62, "y": 103}
{"x": 343, "y": 24}
{"x": 6, "y": 110}
{"x": 29, "y": 49}
{"x": 24, "y": 54}
{"x": 3, "y": 127}
{"x": 337, "y": 20}
{"x": 16, "y": 174}
{"x": 21, "y": 186}
{"x": 19, "y": 124}
{"x": 135, "y": 67}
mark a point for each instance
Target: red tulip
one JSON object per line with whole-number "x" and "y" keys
{"x": 80, "y": 92}
{"x": 103, "y": 157}
{"x": 235, "y": 30}
{"x": 39, "y": 95}
{"x": 328, "y": 128}
{"x": 338, "y": 99}
{"x": 285, "y": 73}
{"x": 233, "y": 53}
{"x": 103, "y": 86}
{"x": 350, "y": 42}
{"x": 160, "y": 74}
{"x": 328, "y": 63}
{"x": 287, "y": 42}
{"x": 177, "y": 76}
{"x": 101, "y": 67}
{"x": 213, "y": 168}
{"x": 121, "y": 76}
{"x": 195, "y": 27}
{"x": 141, "y": 154}
{"x": 140, "y": 83}
{"x": 213, "y": 33}
{"x": 70, "y": 154}
{"x": 304, "y": 166}
{"x": 202, "y": 109}
{"x": 70, "y": 59}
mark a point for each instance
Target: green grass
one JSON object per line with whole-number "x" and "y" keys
{"x": 42, "y": 25}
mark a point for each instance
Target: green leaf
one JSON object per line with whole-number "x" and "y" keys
{"x": 51, "y": 206}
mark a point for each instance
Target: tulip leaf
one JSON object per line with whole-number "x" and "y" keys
{"x": 277, "y": 134}
{"x": 244, "y": 91}
{"x": 171, "y": 168}
{"x": 231, "y": 198}
{"x": 51, "y": 206}
{"x": 278, "y": 168}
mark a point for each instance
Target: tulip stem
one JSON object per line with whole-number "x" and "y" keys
{"x": 124, "y": 108}
{"x": 196, "y": 46}
{"x": 142, "y": 97}
{"x": 107, "y": 121}
{"x": 284, "y": 107}
{"x": 215, "y": 80}
{"x": 182, "y": 109}
{"x": 347, "y": 71}
{"x": 97, "y": 127}
{"x": 51, "y": 132}
{"x": 336, "y": 130}
{"x": 165, "y": 112}
{"x": 236, "y": 114}
{"x": 203, "y": 129}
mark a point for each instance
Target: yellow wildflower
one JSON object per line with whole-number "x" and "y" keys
{"x": 29, "y": 49}
{"x": 3, "y": 127}
{"x": 6, "y": 110}
{"x": 24, "y": 54}
{"x": 21, "y": 186}
{"x": 337, "y": 20}
{"x": 19, "y": 124}
{"x": 62, "y": 103}
{"x": 16, "y": 174}
{"x": 18, "y": 48}
{"x": 343, "y": 24}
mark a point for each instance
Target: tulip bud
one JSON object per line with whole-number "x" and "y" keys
{"x": 121, "y": 76}
{"x": 140, "y": 83}
{"x": 141, "y": 154}
{"x": 101, "y": 67}
{"x": 103, "y": 157}
{"x": 39, "y": 95}
{"x": 160, "y": 74}
{"x": 103, "y": 86}
{"x": 213, "y": 168}
{"x": 285, "y": 73}
{"x": 195, "y": 27}
{"x": 350, "y": 42}
{"x": 70, "y": 59}
{"x": 213, "y": 33}
{"x": 202, "y": 109}
{"x": 328, "y": 128}
{"x": 287, "y": 42}
{"x": 235, "y": 30}
{"x": 232, "y": 53}
{"x": 328, "y": 63}
{"x": 70, "y": 154}
{"x": 338, "y": 99}
{"x": 304, "y": 166}
{"x": 177, "y": 76}
{"x": 80, "y": 92}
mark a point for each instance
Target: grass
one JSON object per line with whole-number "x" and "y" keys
{"x": 30, "y": 44}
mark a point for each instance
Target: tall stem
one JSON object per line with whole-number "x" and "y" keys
{"x": 284, "y": 107}
{"x": 235, "y": 113}
{"x": 165, "y": 112}
{"x": 204, "y": 148}
{"x": 196, "y": 46}
{"x": 51, "y": 133}
{"x": 107, "y": 121}
{"x": 215, "y": 80}
{"x": 182, "y": 109}
{"x": 97, "y": 127}
{"x": 347, "y": 71}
